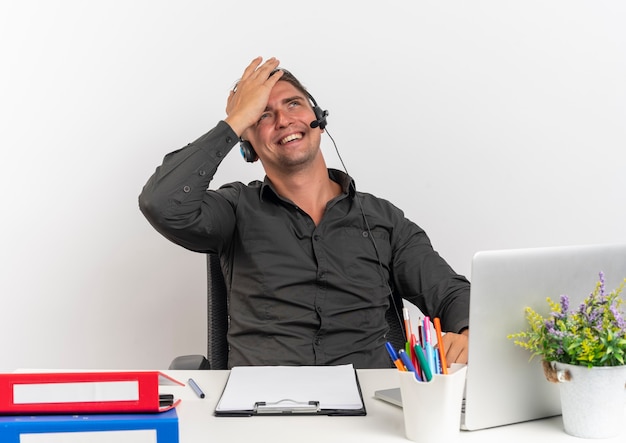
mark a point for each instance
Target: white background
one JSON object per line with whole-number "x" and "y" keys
{"x": 494, "y": 124}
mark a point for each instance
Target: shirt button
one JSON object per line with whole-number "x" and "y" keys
{"x": 219, "y": 154}
{"x": 229, "y": 139}
{"x": 186, "y": 189}
{"x": 319, "y": 309}
{"x": 316, "y": 237}
{"x": 365, "y": 234}
{"x": 318, "y": 341}
{"x": 201, "y": 172}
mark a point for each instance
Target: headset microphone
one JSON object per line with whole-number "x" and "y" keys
{"x": 320, "y": 115}
{"x": 320, "y": 118}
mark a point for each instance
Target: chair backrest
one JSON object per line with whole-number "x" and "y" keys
{"x": 217, "y": 314}
{"x": 217, "y": 317}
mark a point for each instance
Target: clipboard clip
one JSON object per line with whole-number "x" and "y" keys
{"x": 287, "y": 406}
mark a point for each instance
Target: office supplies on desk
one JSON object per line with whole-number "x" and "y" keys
{"x": 429, "y": 351}
{"x": 394, "y": 356}
{"x": 440, "y": 350}
{"x": 428, "y": 375}
{"x": 280, "y": 390}
{"x": 408, "y": 364}
{"x": 432, "y": 411}
{"x": 502, "y": 386}
{"x": 83, "y": 392}
{"x": 196, "y": 388}
{"x": 166, "y": 400}
{"x": 103, "y": 428}
{"x": 407, "y": 324}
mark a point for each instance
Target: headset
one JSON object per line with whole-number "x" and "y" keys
{"x": 247, "y": 151}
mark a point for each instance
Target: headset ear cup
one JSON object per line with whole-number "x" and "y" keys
{"x": 247, "y": 151}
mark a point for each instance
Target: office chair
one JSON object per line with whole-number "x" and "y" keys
{"x": 217, "y": 324}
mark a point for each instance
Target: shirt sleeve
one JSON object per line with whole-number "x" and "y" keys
{"x": 175, "y": 199}
{"x": 425, "y": 279}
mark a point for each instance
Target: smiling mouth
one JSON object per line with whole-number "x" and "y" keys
{"x": 290, "y": 138}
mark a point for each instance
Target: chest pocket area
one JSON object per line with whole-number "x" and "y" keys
{"x": 362, "y": 250}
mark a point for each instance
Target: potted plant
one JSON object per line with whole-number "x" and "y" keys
{"x": 583, "y": 349}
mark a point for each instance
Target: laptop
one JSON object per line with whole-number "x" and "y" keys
{"x": 502, "y": 385}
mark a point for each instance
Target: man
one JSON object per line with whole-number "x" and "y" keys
{"x": 309, "y": 262}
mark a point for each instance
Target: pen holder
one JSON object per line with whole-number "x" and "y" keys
{"x": 432, "y": 410}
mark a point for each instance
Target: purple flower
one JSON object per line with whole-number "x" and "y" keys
{"x": 552, "y": 331}
{"x": 559, "y": 351}
{"x": 564, "y": 305}
{"x": 601, "y": 274}
{"x": 619, "y": 320}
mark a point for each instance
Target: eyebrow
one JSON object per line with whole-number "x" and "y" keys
{"x": 287, "y": 100}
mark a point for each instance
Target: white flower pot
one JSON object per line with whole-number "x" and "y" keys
{"x": 592, "y": 399}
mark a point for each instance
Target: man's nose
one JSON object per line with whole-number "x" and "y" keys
{"x": 282, "y": 119}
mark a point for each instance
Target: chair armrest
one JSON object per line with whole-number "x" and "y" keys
{"x": 190, "y": 362}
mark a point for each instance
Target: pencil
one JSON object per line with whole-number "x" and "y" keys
{"x": 407, "y": 324}
{"x": 442, "y": 351}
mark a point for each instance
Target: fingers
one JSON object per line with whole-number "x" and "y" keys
{"x": 248, "y": 99}
{"x": 257, "y": 74}
{"x": 456, "y": 347}
{"x": 258, "y": 71}
{"x": 251, "y": 68}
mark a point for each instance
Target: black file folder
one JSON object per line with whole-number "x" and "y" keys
{"x": 291, "y": 390}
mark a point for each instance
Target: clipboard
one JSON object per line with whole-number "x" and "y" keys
{"x": 291, "y": 390}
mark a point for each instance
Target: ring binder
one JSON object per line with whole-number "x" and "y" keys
{"x": 84, "y": 392}
{"x": 287, "y": 406}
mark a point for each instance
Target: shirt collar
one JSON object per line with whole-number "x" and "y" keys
{"x": 345, "y": 181}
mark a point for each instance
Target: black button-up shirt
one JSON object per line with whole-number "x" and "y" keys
{"x": 301, "y": 294}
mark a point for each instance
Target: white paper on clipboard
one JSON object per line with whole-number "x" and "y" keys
{"x": 332, "y": 387}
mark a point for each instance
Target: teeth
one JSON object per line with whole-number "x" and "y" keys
{"x": 290, "y": 138}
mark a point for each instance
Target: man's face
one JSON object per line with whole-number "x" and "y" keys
{"x": 283, "y": 137}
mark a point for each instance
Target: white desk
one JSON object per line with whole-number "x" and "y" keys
{"x": 383, "y": 422}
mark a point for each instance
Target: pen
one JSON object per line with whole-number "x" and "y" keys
{"x": 407, "y": 362}
{"x": 411, "y": 352}
{"x": 394, "y": 356}
{"x": 437, "y": 369}
{"x": 420, "y": 334}
{"x": 428, "y": 346}
{"x": 428, "y": 375}
{"x": 442, "y": 352}
{"x": 196, "y": 388}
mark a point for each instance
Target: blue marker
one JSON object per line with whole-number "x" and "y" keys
{"x": 394, "y": 356}
{"x": 409, "y": 365}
